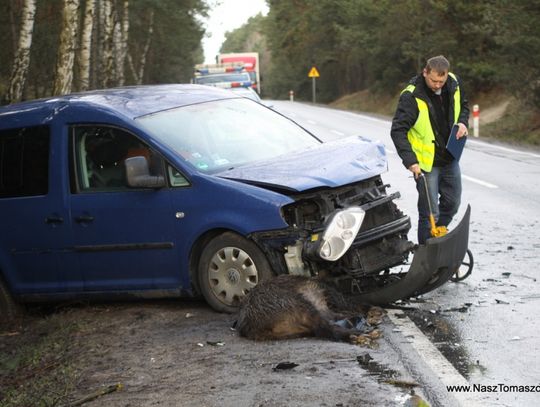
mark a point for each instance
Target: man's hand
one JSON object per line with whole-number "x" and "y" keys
{"x": 415, "y": 169}
{"x": 462, "y": 131}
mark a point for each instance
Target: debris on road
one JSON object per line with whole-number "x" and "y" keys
{"x": 358, "y": 323}
{"x": 367, "y": 339}
{"x": 401, "y": 383}
{"x": 284, "y": 366}
{"x": 464, "y": 308}
{"x": 98, "y": 393}
{"x": 215, "y": 343}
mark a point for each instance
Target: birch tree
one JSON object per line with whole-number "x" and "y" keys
{"x": 66, "y": 51}
{"x": 22, "y": 56}
{"x": 86, "y": 45}
{"x": 121, "y": 35}
{"x": 106, "y": 62}
{"x": 139, "y": 73}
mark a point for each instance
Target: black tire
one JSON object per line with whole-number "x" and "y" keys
{"x": 229, "y": 267}
{"x": 9, "y": 309}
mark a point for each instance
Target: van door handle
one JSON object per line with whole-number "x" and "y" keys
{"x": 53, "y": 219}
{"x": 84, "y": 219}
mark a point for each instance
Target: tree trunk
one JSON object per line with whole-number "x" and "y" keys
{"x": 138, "y": 74}
{"x": 106, "y": 71}
{"x": 66, "y": 51}
{"x": 86, "y": 45}
{"x": 22, "y": 57}
{"x": 121, "y": 43}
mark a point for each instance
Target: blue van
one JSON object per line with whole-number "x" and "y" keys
{"x": 175, "y": 190}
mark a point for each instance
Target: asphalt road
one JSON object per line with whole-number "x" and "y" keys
{"x": 490, "y": 319}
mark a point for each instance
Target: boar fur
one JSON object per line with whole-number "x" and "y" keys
{"x": 289, "y": 306}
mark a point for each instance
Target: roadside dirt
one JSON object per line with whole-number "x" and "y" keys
{"x": 492, "y": 105}
{"x": 181, "y": 353}
{"x": 493, "y": 113}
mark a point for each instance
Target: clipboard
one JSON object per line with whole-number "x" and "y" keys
{"x": 455, "y": 146}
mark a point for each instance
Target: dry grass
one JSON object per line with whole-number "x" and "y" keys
{"x": 365, "y": 101}
{"x": 519, "y": 125}
{"x": 36, "y": 362}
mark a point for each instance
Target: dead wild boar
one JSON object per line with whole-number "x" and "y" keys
{"x": 290, "y": 306}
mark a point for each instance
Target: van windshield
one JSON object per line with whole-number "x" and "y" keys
{"x": 224, "y": 134}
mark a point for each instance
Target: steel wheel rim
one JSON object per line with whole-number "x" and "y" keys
{"x": 231, "y": 274}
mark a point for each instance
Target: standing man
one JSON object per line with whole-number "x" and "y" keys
{"x": 428, "y": 108}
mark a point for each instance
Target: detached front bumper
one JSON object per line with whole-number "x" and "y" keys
{"x": 433, "y": 264}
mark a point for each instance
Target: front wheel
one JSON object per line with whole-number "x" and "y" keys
{"x": 230, "y": 266}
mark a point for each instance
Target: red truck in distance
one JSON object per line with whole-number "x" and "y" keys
{"x": 251, "y": 65}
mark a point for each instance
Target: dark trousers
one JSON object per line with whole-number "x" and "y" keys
{"x": 444, "y": 185}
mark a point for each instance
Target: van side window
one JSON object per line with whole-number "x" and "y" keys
{"x": 100, "y": 153}
{"x": 24, "y": 161}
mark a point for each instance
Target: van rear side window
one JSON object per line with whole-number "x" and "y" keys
{"x": 24, "y": 161}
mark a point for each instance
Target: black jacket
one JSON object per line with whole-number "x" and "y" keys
{"x": 407, "y": 114}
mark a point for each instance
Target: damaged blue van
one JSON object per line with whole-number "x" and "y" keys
{"x": 183, "y": 190}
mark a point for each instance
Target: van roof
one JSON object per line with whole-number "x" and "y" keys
{"x": 130, "y": 101}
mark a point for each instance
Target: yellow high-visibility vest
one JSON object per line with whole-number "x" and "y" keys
{"x": 421, "y": 135}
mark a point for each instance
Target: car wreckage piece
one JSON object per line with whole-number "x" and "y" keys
{"x": 434, "y": 263}
{"x": 373, "y": 242}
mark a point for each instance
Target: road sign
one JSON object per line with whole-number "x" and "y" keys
{"x": 313, "y": 73}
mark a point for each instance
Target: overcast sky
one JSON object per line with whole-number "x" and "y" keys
{"x": 226, "y": 16}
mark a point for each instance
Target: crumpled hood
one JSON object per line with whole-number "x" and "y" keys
{"x": 330, "y": 164}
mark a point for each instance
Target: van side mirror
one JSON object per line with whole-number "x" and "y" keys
{"x": 138, "y": 174}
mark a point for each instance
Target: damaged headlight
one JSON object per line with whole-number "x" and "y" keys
{"x": 340, "y": 233}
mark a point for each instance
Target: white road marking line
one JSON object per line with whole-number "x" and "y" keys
{"x": 431, "y": 356}
{"x": 479, "y": 181}
{"x": 365, "y": 117}
{"x": 486, "y": 144}
{"x": 337, "y": 132}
